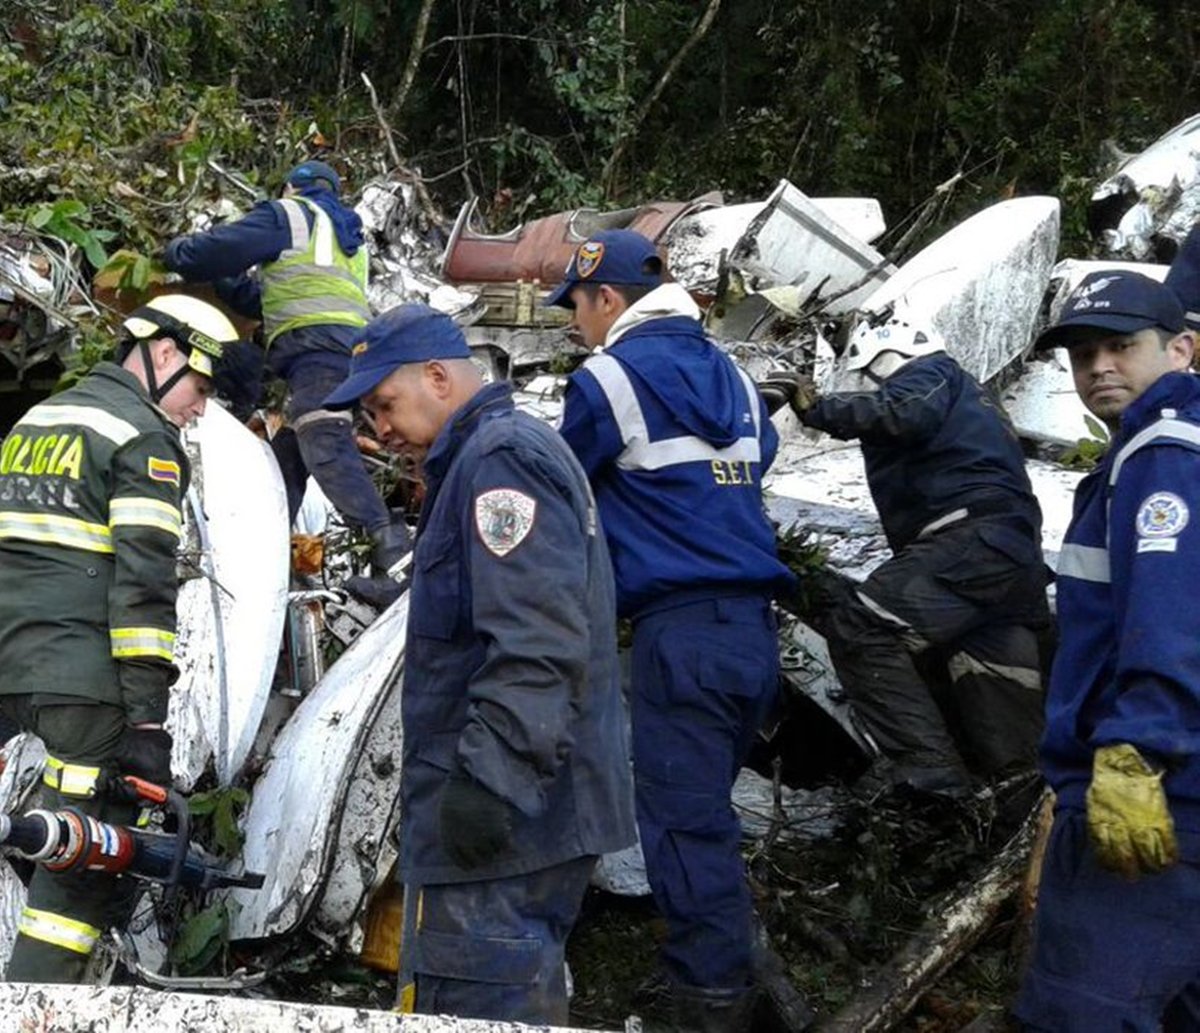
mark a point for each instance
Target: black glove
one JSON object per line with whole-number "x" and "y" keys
{"x": 476, "y": 823}
{"x": 146, "y": 753}
{"x": 785, "y": 387}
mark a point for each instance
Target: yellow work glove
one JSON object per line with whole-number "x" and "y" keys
{"x": 1130, "y": 825}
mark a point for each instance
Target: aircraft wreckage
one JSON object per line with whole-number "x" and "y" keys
{"x": 775, "y": 278}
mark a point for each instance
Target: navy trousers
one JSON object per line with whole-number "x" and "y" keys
{"x": 705, "y": 677}
{"x": 1110, "y": 954}
{"x": 495, "y": 949}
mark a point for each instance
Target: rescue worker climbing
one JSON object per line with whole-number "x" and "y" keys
{"x": 91, "y": 483}
{"x": 675, "y": 439}
{"x": 966, "y": 576}
{"x": 310, "y": 293}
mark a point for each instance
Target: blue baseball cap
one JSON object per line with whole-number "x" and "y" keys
{"x": 620, "y": 257}
{"x": 404, "y": 334}
{"x": 310, "y": 173}
{"x": 1116, "y": 301}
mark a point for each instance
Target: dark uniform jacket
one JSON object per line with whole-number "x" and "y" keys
{"x": 90, "y": 488}
{"x": 934, "y": 441}
{"x": 511, "y": 665}
{"x": 1127, "y": 668}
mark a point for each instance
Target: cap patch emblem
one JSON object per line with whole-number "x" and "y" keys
{"x": 504, "y": 517}
{"x": 1083, "y": 296}
{"x": 164, "y": 470}
{"x": 587, "y": 258}
{"x": 1161, "y": 517}
{"x": 359, "y": 348}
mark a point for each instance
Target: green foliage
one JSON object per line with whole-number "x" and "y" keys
{"x": 1087, "y": 452}
{"x": 201, "y": 939}
{"x": 94, "y": 343}
{"x": 70, "y": 220}
{"x": 220, "y": 809}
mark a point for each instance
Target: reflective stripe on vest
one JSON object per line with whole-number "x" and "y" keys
{"x": 1085, "y": 562}
{"x": 131, "y": 642}
{"x": 59, "y": 930}
{"x": 643, "y": 454}
{"x": 313, "y": 282}
{"x": 143, "y": 512}
{"x": 56, "y": 530}
{"x": 1167, "y": 429}
{"x": 70, "y": 779}
{"x": 117, "y": 430}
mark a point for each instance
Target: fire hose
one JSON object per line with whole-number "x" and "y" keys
{"x": 68, "y": 840}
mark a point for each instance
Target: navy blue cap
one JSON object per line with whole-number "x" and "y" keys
{"x": 404, "y": 334}
{"x": 307, "y": 173}
{"x": 621, "y": 257}
{"x": 1116, "y": 301}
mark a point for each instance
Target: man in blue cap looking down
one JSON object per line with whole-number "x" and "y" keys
{"x": 516, "y": 770}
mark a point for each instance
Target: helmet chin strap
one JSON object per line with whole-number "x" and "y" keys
{"x": 157, "y": 394}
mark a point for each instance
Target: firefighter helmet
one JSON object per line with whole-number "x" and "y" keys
{"x": 903, "y": 334}
{"x": 199, "y": 329}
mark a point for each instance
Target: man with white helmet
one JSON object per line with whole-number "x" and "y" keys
{"x": 91, "y": 483}
{"x": 966, "y": 577}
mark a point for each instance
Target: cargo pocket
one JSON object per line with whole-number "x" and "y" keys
{"x": 997, "y": 566}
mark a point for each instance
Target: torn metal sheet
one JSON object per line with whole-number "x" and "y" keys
{"x": 24, "y": 757}
{"x": 36, "y": 313}
{"x": 293, "y": 827}
{"x": 230, "y": 617}
{"x": 1145, "y": 208}
{"x": 50, "y": 1008}
{"x": 982, "y": 282}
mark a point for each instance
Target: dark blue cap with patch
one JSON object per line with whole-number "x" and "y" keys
{"x": 404, "y": 334}
{"x": 1115, "y": 301}
{"x": 310, "y": 173}
{"x": 621, "y": 257}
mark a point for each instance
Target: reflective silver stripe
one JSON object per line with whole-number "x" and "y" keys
{"x": 952, "y": 517}
{"x": 105, "y": 424}
{"x": 753, "y": 397}
{"x": 133, "y": 642}
{"x": 71, "y": 779}
{"x": 1165, "y": 429}
{"x": 962, "y": 664}
{"x": 643, "y": 454}
{"x": 58, "y": 930}
{"x": 56, "y": 530}
{"x": 297, "y": 223}
{"x": 320, "y": 415}
{"x": 1085, "y": 562}
{"x": 140, "y": 512}
{"x": 333, "y": 272}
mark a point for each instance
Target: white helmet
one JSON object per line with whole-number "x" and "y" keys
{"x": 199, "y": 329}
{"x": 901, "y": 334}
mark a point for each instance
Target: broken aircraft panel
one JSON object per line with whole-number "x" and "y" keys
{"x": 1145, "y": 209}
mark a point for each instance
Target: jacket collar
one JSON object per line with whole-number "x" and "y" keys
{"x": 463, "y": 423}
{"x": 1170, "y": 391}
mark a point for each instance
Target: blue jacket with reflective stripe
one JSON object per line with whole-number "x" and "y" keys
{"x": 511, "y": 658}
{"x": 675, "y": 440}
{"x": 1128, "y": 663}
{"x": 933, "y": 440}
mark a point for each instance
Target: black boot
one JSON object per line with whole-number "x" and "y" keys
{"x": 696, "y": 1009}
{"x": 391, "y": 545}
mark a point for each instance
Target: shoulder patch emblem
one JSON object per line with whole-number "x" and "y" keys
{"x": 165, "y": 470}
{"x": 1162, "y": 515}
{"x": 504, "y": 517}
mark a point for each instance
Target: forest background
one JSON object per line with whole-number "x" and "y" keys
{"x": 114, "y": 112}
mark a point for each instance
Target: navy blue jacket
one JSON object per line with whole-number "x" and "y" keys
{"x": 933, "y": 441}
{"x": 225, "y": 254}
{"x": 511, "y": 664}
{"x": 675, "y": 440}
{"x": 1127, "y": 668}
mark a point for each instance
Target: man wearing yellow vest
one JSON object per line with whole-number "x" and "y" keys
{"x": 91, "y": 482}
{"x": 310, "y": 293}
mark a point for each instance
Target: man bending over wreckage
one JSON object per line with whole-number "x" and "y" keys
{"x": 516, "y": 770}
{"x": 966, "y": 578}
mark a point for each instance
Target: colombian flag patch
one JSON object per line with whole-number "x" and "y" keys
{"x": 163, "y": 470}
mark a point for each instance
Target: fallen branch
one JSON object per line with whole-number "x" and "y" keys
{"x": 943, "y": 939}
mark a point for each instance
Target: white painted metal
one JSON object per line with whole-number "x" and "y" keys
{"x": 51, "y": 1008}
{"x": 294, "y": 824}
{"x": 24, "y": 757}
{"x": 1042, "y": 402}
{"x": 981, "y": 283}
{"x": 231, "y": 619}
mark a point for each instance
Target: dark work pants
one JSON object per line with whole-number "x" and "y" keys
{"x": 324, "y": 438}
{"x": 705, "y": 677}
{"x": 70, "y": 907}
{"x": 495, "y": 949}
{"x": 978, "y": 606}
{"x": 1110, "y": 954}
